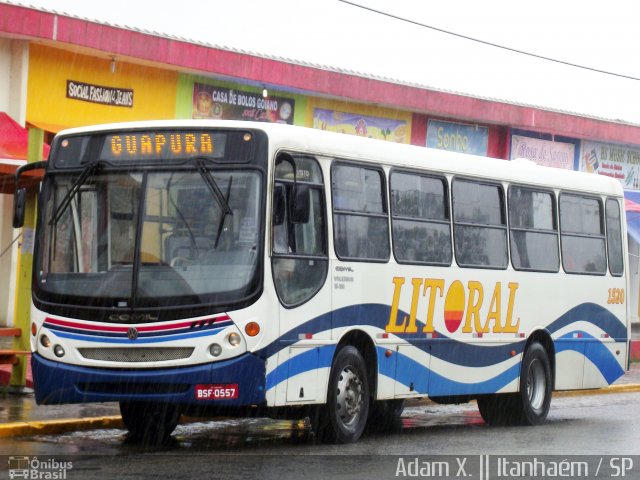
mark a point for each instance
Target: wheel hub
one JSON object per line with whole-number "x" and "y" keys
{"x": 536, "y": 385}
{"x": 349, "y": 396}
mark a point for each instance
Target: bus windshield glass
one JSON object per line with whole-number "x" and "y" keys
{"x": 186, "y": 236}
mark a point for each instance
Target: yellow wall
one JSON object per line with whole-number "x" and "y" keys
{"x": 154, "y": 95}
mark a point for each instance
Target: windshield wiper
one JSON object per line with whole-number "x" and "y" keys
{"x": 66, "y": 200}
{"x": 217, "y": 194}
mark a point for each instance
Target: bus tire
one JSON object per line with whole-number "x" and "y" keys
{"x": 536, "y": 386}
{"x": 530, "y": 405}
{"x": 343, "y": 418}
{"x": 149, "y": 423}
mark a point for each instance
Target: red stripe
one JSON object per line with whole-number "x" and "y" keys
{"x": 85, "y": 326}
{"x": 149, "y": 328}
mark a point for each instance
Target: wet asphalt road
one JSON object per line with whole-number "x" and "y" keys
{"x": 264, "y": 448}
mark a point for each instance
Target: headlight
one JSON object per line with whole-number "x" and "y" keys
{"x": 59, "y": 351}
{"x": 234, "y": 339}
{"x": 46, "y": 342}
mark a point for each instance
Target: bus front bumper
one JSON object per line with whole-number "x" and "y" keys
{"x": 239, "y": 381}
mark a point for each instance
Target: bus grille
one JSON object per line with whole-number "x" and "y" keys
{"x": 133, "y": 355}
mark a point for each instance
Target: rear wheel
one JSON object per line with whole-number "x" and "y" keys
{"x": 149, "y": 422}
{"x": 529, "y": 406}
{"x": 344, "y": 417}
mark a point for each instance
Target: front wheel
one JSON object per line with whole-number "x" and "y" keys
{"x": 148, "y": 422}
{"x": 529, "y": 406}
{"x": 344, "y": 417}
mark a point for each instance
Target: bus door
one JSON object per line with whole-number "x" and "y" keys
{"x": 299, "y": 264}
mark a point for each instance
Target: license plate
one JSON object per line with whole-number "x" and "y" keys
{"x": 217, "y": 392}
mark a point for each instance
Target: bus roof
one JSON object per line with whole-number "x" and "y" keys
{"x": 330, "y": 144}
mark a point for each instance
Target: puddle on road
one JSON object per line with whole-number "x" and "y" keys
{"x": 222, "y": 434}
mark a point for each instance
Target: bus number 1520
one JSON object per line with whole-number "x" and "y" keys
{"x": 616, "y": 296}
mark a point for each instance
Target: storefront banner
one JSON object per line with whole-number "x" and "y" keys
{"x": 230, "y": 104}
{"x": 456, "y": 137}
{"x": 543, "y": 152}
{"x": 113, "y": 96}
{"x": 618, "y": 161}
{"x": 361, "y": 125}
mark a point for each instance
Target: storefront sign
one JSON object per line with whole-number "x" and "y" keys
{"x": 543, "y": 152}
{"x": 117, "y": 97}
{"x": 456, "y": 137}
{"x": 618, "y": 161}
{"x": 230, "y": 104}
{"x": 361, "y": 125}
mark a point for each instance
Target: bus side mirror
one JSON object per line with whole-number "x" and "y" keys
{"x": 19, "y": 204}
{"x": 300, "y": 206}
{"x": 279, "y": 205}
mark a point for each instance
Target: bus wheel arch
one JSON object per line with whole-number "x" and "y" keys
{"x": 530, "y": 404}
{"x": 349, "y": 390}
{"x": 365, "y": 345}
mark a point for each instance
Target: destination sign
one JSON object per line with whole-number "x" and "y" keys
{"x": 174, "y": 145}
{"x": 154, "y": 146}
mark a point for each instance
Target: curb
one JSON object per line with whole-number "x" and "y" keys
{"x": 50, "y": 427}
{"x": 611, "y": 389}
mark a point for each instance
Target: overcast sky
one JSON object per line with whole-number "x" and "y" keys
{"x": 600, "y": 34}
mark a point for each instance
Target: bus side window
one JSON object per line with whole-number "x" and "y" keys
{"x": 479, "y": 224}
{"x": 360, "y": 222}
{"x": 420, "y": 219}
{"x": 582, "y": 235}
{"x": 533, "y": 230}
{"x": 614, "y": 238}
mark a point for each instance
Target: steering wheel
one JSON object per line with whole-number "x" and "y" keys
{"x": 179, "y": 261}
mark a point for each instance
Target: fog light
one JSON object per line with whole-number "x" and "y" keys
{"x": 59, "y": 351}
{"x": 215, "y": 350}
{"x": 234, "y": 339}
{"x": 45, "y": 342}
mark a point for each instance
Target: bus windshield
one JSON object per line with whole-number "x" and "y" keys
{"x": 146, "y": 238}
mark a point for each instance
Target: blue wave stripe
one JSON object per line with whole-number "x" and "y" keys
{"x": 428, "y": 382}
{"x": 596, "y": 315}
{"x": 595, "y": 351}
{"x": 425, "y": 381}
{"x": 377, "y": 315}
{"x": 165, "y": 338}
{"x": 445, "y": 348}
{"x": 318, "y": 357}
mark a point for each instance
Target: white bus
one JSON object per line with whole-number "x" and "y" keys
{"x": 193, "y": 266}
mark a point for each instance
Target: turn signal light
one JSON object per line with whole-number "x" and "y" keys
{"x": 252, "y": 329}
{"x": 34, "y": 329}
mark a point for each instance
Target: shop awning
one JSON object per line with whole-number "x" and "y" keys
{"x": 632, "y": 209}
{"x": 14, "y": 145}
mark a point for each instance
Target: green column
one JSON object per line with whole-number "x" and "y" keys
{"x": 22, "y": 315}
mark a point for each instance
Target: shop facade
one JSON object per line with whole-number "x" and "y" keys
{"x": 70, "y": 79}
